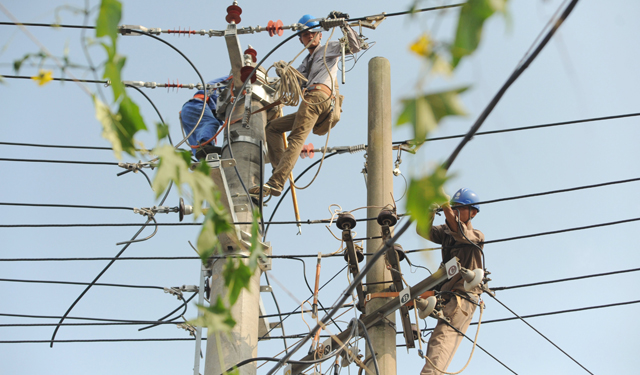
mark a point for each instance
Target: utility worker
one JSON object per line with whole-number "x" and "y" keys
{"x": 320, "y": 106}
{"x": 458, "y": 239}
{"x": 201, "y": 140}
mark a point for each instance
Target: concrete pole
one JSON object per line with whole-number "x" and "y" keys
{"x": 379, "y": 189}
{"x": 242, "y": 341}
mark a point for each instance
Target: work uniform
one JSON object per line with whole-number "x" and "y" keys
{"x": 209, "y": 124}
{"x": 444, "y": 340}
{"x": 317, "y": 106}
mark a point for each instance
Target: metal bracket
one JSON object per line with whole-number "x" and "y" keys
{"x": 353, "y": 266}
{"x": 219, "y": 178}
{"x": 396, "y": 276}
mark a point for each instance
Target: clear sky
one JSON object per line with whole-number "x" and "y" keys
{"x": 588, "y": 70}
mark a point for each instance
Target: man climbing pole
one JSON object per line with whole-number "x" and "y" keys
{"x": 321, "y": 104}
{"x": 458, "y": 239}
{"x": 201, "y": 139}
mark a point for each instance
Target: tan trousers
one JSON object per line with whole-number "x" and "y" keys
{"x": 444, "y": 340}
{"x": 300, "y": 125}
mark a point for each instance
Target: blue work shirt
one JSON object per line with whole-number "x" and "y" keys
{"x": 209, "y": 124}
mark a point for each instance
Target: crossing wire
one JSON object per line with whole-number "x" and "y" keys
{"x": 317, "y": 221}
{"x": 553, "y": 124}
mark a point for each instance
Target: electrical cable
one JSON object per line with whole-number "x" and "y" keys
{"x": 66, "y": 206}
{"x": 54, "y": 25}
{"x": 284, "y": 193}
{"x": 539, "y": 333}
{"x": 395, "y": 143}
{"x": 154, "y": 107}
{"x": 516, "y": 73}
{"x": 296, "y": 309}
{"x": 345, "y": 295}
{"x": 81, "y": 283}
{"x": 566, "y": 279}
{"x": 60, "y": 161}
{"x": 304, "y": 273}
{"x": 275, "y": 301}
{"x": 371, "y": 349}
{"x": 183, "y": 305}
{"x": 104, "y": 270}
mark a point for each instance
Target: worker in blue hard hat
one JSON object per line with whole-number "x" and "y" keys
{"x": 321, "y": 107}
{"x": 458, "y": 239}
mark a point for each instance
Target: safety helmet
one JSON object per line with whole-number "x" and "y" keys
{"x": 306, "y": 20}
{"x": 467, "y": 197}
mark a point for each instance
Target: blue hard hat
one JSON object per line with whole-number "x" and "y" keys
{"x": 306, "y": 20}
{"x": 467, "y": 197}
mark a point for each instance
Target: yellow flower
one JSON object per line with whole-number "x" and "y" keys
{"x": 43, "y": 77}
{"x": 422, "y": 46}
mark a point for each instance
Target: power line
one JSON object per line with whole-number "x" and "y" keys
{"x": 539, "y": 333}
{"x": 512, "y": 78}
{"x": 56, "y": 146}
{"x": 59, "y": 161}
{"x": 81, "y": 283}
{"x": 553, "y": 124}
{"x": 65, "y": 206}
{"x": 566, "y": 279}
{"x": 54, "y": 25}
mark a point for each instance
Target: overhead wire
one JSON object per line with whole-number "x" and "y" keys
{"x": 539, "y": 333}
{"x": 105, "y": 269}
{"x": 80, "y": 283}
{"x": 512, "y": 78}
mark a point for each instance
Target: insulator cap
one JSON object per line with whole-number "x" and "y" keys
{"x": 387, "y": 217}
{"x": 346, "y": 221}
{"x": 359, "y": 255}
{"x": 252, "y": 52}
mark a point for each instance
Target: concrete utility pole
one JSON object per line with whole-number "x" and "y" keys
{"x": 246, "y": 139}
{"x": 379, "y": 189}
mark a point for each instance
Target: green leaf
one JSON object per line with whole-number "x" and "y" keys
{"x": 469, "y": 32}
{"x": 112, "y": 71}
{"x": 130, "y": 123}
{"x": 425, "y": 112}
{"x": 109, "y": 121}
{"x": 162, "y": 130}
{"x": 216, "y": 318}
{"x": 237, "y": 276}
{"x": 109, "y": 19}
{"x": 215, "y": 223}
{"x": 256, "y": 247}
{"x": 422, "y": 195}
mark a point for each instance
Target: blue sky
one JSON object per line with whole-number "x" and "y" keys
{"x": 586, "y": 71}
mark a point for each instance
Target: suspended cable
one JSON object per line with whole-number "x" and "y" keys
{"x": 346, "y": 294}
{"x": 517, "y": 72}
{"x": 81, "y": 283}
{"x": 539, "y": 333}
{"x": 56, "y": 146}
{"x": 565, "y": 279}
{"x": 107, "y": 267}
{"x": 60, "y": 161}
{"x": 553, "y": 124}
{"x": 54, "y": 25}
{"x": 66, "y": 206}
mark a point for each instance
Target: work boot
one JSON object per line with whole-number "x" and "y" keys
{"x": 206, "y": 150}
{"x": 266, "y": 191}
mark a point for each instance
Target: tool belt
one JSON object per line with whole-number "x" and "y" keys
{"x": 331, "y": 119}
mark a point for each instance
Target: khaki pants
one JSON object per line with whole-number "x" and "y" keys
{"x": 444, "y": 340}
{"x": 300, "y": 124}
